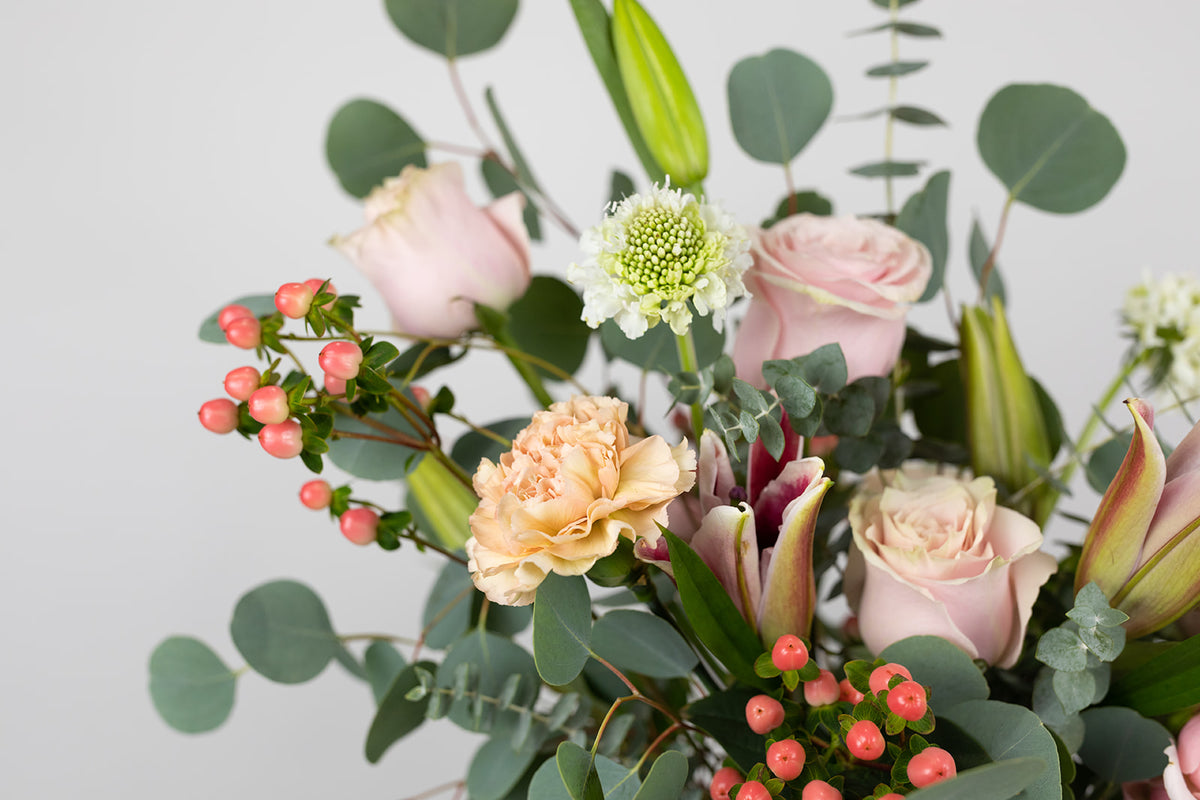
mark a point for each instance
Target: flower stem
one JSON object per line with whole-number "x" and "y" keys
{"x": 689, "y": 362}
{"x": 527, "y": 371}
{"x": 1089, "y": 428}
{"x": 889, "y": 121}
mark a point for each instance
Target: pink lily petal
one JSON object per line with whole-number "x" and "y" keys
{"x": 789, "y": 595}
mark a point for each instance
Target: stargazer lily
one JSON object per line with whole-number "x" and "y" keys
{"x": 1142, "y": 548}
{"x": 758, "y": 541}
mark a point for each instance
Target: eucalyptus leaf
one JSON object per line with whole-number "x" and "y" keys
{"x": 372, "y": 459}
{"x": 978, "y": 252}
{"x": 578, "y": 772}
{"x": 1121, "y": 745}
{"x": 259, "y": 304}
{"x": 800, "y": 203}
{"x": 888, "y": 169}
{"x": 497, "y": 767}
{"x": 657, "y": 350}
{"x": 777, "y": 103}
{"x": 500, "y": 182}
{"x": 1062, "y": 649}
{"x": 447, "y": 612}
{"x": 666, "y": 778}
{"x": 382, "y": 663}
{"x": 192, "y": 689}
{"x": 472, "y": 447}
{"x": 493, "y": 660}
{"x": 453, "y": 28}
{"x": 1009, "y": 731}
{"x": 916, "y": 116}
{"x": 923, "y": 217}
{"x": 642, "y": 643}
{"x": 996, "y": 781}
{"x": 1106, "y": 459}
{"x": 895, "y": 69}
{"x": 397, "y": 716}
{"x": 546, "y": 323}
{"x": 950, "y": 674}
{"x": 283, "y": 631}
{"x": 367, "y": 142}
{"x": 562, "y": 628}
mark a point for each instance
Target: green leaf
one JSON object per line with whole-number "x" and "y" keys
{"x": 907, "y": 28}
{"x": 382, "y": 663}
{"x": 397, "y": 716}
{"x": 924, "y": 218}
{"x": 1075, "y": 690}
{"x": 916, "y": 116}
{"x": 259, "y": 304}
{"x": 642, "y": 643}
{"x": 978, "y": 252}
{"x": 447, "y": 612}
{"x": 1062, "y": 649}
{"x": 896, "y": 69}
{"x": 824, "y": 368}
{"x": 373, "y": 460}
{"x": 666, "y": 778}
{"x": 619, "y": 782}
{"x": 492, "y": 659}
{"x": 850, "y": 412}
{"x": 282, "y": 630}
{"x": 620, "y": 186}
{"x": 1049, "y": 147}
{"x": 1165, "y": 684}
{"x": 596, "y": 28}
{"x": 996, "y": 781}
{"x": 888, "y": 169}
{"x": 191, "y": 687}
{"x": 500, "y": 182}
{"x": 717, "y": 622}
{"x": 472, "y": 447}
{"x": 950, "y": 674}
{"x": 453, "y": 28}
{"x": 887, "y": 3}
{"x": 368, "y": 142}
{"x": 1006, "y": 732}
{"x": 777, "y": 103}
{"x": 656, "y": 349}
{"x": 562, "y": 628}
{"x": 547, "y": 783}
{"x": 578, "y": 772}
{"x": 546, "y": 322}
{"x": 1106, "y": 459}
{"x": 497, "y": 767}
{"x": 1121, "y": 745}
{"x": 800, "y": 203}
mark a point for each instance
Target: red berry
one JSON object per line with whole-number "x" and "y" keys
{"x": 725, "y": 779}
{"x": 244, "y": 332}
{"x": 334, "y": 386}
{"x": 892, "y": 796}
{"x": 219, "y": 416}
{"x": 907, "y": 700}
{"x": 931, "y": 765}
{"x": 880, "y": 677}
{"x": 294, "y": 299}
{"x": 282, "y": 439}
{"x": 764, "y": 713}
{"x": 785, "y": 759}
{"x": 820, "y": 790}
{"x": 341, "y": 359}
{"x": 822, "y": 691}
{"x": 753, "y": 790}
{"x": 231, "y": 312}
{"x": 269, "y": 405}
{"x": 359, "y": 524}
{"x": 864, "y": 740}
{"x": 848, "y": 692}
{"x": 315, "y": 285}
{"x": 316, "y": 494}
{"x": 789, "y": 653}
{"x": 240, "y": 383}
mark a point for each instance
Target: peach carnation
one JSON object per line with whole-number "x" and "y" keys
{"x": 574, "y": 481}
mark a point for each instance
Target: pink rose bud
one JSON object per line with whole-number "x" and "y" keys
{"x": 242, "y": 382}
{"x": 359, "y": 525}
{"x": 294, "y": 299}
{"x": 244, "y": 332}
{"x": 822, "y": 691}
{"x": 341, "y": 360}
{"x": 219, "y": 416}
{"x": 231, "y": 312}
{"x": 316, "y": 495}
{"x": 269, "y": 405}
{"x": 282, "y": 439}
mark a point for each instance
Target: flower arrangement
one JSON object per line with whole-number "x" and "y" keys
{"x": 642, "y": 595}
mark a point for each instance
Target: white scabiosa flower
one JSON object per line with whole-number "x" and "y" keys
{"x": 1163, "y": 318}
{"x": 654, "y": 254}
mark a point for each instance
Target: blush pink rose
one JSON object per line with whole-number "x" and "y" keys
{"x": 433, "y": 254}
{"x": 574, "y": 482}
{"x": 934, "y": 555}
{"x": 818, "y": 280}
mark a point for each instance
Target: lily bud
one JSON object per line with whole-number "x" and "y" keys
{"x": 440, "y": 502}
{"x": 1005, "y": 427}
{"x": 1141, "y": 549}
{"x": 661, "y": 99}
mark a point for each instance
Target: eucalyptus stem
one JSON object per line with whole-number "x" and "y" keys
{"x": 889, "y": 121}
{"x": 689, "y": 362}
{"x": 1097, "y": 416}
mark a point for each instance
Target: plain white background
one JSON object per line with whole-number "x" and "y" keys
{"x": 161, "y": 158}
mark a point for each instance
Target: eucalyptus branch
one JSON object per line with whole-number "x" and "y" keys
{"x": 985, "y": 273}
{"x": 445, "y": 787}
{"x": 889, "y": 122}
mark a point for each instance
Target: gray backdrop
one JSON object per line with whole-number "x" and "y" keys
{"x": 163, "y": 157}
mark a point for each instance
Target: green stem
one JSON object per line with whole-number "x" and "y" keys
{"x": 1089, "y": 428}
{"x": 689, "y": 362}
{"x": 499, "y": 332}
{"x": 889, "y": 122}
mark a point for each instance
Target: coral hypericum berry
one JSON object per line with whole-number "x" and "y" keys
{"x": 848, "y": 692}
{"x": 341, "y": 359}
{"x": 764, "y": 713}
{"x": 820, "y": 790}
{"x": 244, "y": 332}
{"x": 785, "y": 759}
{"x": 865, "y": 741}
{"x": 907, "y": 700}
{"x": 240, "y": 383}
{"x": 881, "y": 675}
{"x": 789, "y": 653}
{"x": 334, "y": 386}
{"x": 269, "y": 405}
{"x": 282, "y": 439}
{"x": 315, "y": 285}
{"x": 316, "y": 494}
{"x": 294, "y": 299}
{"x": 359, "y": 525}
{"x": 231, "y": 312}
{"x": 929, "y": 766}
{"x": 753, "y": 790}
{"x": 219, "y": 416}
{"x": 822, "y": 691}
{"x": 725, "y": 779}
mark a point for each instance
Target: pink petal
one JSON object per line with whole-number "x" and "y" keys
{"x": 726, "y": 538}
{"x": 794, "y": 481}
{"x": 762, "y": 468}
{"x": 789, "y": 595}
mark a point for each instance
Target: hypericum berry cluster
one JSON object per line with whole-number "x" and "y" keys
{"x": 862, "y": 737}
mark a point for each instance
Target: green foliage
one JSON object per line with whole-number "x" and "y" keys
{"x": 800, "y": 203}
{"x": 368, "y": 142}
{"x": 666, "y": 778}
{"x": 888, "y": 169}
{"x": 977, "y": 252}
{"x": 997, "y": 781}
{"x": 1106, "y": 459}
{"x": 500, "y": 182}
{"x": 722, "y": 715}
{"x": 1007, "y": 732}
{"x": 1050, "y": 148}
{"x": 282, "y": 630}
{"x": 545, "y": 322}
{"x": 473, "y": 447}
{"x": 1164, "y": 684}
{"x": 562, "y": 628}
{"x": 192, "y": 689}
{"x": 923, "y": 217}
{"x": 656, "y": 349}
{"x": 497, "y": 767}
{"x": 895, "y": 69}
{"x": 777, "y": 103}
{"x": 259, "y": 304}
{"x": 1121, "y": 745}
{"x": 947, "y": 671}
{"x": 643, "y": 643}
{"x": 381, "y": 664}
{"x": 578, "y": 772}
{"x": 478, "y": 666}
{"x": 447, "y": 613}
{"x": 914, "y": 29}
{"x": 397, "y": 715}
{"x": 453, "y": 28}
{"x": 370, "y": 459}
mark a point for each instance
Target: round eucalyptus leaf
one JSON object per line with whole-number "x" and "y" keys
{"x": 259, "y": 305}
{"x": 1049, "y": 147}
{"x": 950, "y": 674}
{"x": 283, "y": 631}
{"x": 369, "y": 458}
{"x": 367, "y": 142}
{"x": 492, "y": 659}
{"x": 453, "y": 27}
{"x": 547, "y": 323}
{"x": 777, "y": 103}
{"x": 643, "y": 643}
{"x": 191, "y": 687}
{"x": 1121, "y": 745}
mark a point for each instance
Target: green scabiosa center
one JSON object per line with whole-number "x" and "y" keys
{"x": 663, "y": 250}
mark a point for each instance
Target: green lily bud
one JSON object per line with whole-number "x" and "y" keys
{"x": 1005, "y": 427}
{"x": 440, "y": 503}
{"x": 662, "y": 101}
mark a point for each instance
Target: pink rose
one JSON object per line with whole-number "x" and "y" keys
{"x": 574, "y": 482}
{"x": 934, "y": 555}
{"x": 433, "y": 254}
{"x": 818, "y": 280}
{"x": 1181, "y": 779}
